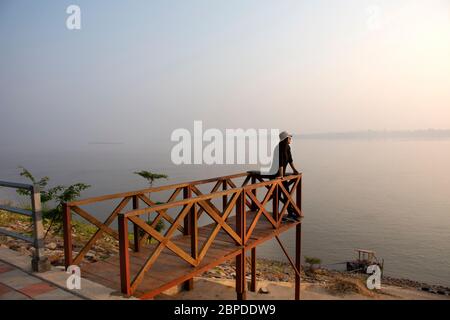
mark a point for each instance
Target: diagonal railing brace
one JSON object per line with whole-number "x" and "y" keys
{"x": 287, "y": 255}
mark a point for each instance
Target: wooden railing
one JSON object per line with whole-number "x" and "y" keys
{"x": 39, "y": 262}
{"x": 135, "y": 198}
{"x": 234, "y": 193}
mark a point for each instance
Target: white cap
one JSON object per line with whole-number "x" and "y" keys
{"x": 284, "y": 135}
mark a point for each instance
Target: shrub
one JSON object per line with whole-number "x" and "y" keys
{"x": 312, "y": 262}
{"x": 58, "y": 194}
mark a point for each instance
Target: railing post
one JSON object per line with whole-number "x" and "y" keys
{"x": 39, "y": 262}
{"x": 194, "y": 231}
{"x": 298, "y": 193}
{"x": 241, "y": 227}
{"x": 67, "y": 230}
{"x": 254, "y": 207}
{"x": 189, "y": 225}
{"x": 187, "y": 193}
{"x": 136, "y": 229}
{"x": 224, "y": 197}
{"x": 275, "y": 201}
{"x": 298, "y": 254}
{"x": 124, "y": 255}
{"x": 241, "y": 281}
{"x": 240, "y": 258}
{"x": 298, "y": 241}
{"x": 253, "y": 270}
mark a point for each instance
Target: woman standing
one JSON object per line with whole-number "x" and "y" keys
{"x": 285, "y": 158}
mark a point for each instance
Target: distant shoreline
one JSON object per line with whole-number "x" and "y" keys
{"x": 105, "y": 142}
{"x": 371, "y": 134}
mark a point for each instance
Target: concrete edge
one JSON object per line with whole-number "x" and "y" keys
{"x": 58, "y": 277}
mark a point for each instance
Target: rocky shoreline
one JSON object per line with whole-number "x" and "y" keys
{"x": 277, "y": 271}
{"x": 266, "y": 269}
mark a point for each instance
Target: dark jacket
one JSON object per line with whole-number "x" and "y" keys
{"x": 285, "y": 155}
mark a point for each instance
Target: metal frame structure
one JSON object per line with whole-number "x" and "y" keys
{"x": 39, "y": 262}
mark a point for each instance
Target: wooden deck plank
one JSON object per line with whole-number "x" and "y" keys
{"x": 169, "y": 269}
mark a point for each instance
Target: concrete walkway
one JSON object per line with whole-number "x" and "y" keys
{"x": 18, "y": 282}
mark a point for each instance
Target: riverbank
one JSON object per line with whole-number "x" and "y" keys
{"x": 272, "y": 272}
{"x": 336, "y": 283}
{"x": 223, "y": 289}
{"x": 104, "y": 248}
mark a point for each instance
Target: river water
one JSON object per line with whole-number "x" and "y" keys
{"x": 391, "y": 196}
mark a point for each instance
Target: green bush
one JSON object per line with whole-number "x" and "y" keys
{"x": 56, "y": 195}
{"x": 312, "y": 262}
{"x": 151, "y": 177}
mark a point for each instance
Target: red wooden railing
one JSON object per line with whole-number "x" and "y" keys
{"x": 235, "y": 196}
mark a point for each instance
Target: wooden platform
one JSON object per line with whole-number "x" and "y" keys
{"x": 170, "y": 270}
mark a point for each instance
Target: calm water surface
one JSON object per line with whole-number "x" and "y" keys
{"x": 391, "y": 196}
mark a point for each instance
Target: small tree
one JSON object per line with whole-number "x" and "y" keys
{"x": 151, "y": 177}
{"x": 312, "y": 262}
{"x": 69, "y": 193}
{"x": 46, "y": 195}
{"x": 59, "y": 194}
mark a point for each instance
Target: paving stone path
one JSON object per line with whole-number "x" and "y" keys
{"x": 16, "y": 284}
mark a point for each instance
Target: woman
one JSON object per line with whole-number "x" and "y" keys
{"x": 285, "y": 158}
{"x": 284, "y": 154}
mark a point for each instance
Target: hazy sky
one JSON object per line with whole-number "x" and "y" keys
{"x": 139, "y": 69}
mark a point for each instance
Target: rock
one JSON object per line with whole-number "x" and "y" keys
{"x": 53, "y": 258}
{"x": 263, "y": 290}
{"x": 52, "y": 246}
{"x": 24, "y": 250}
{"x": 14, "y": 247}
